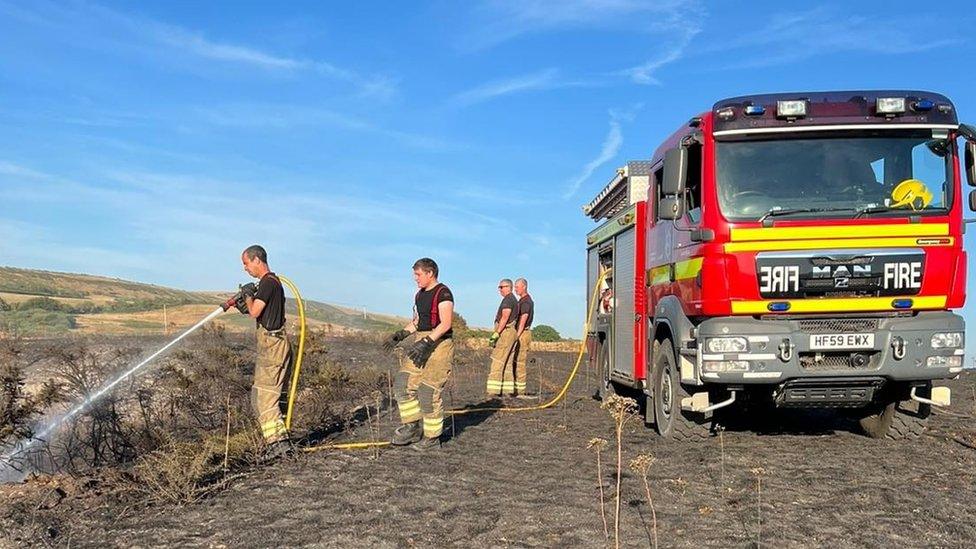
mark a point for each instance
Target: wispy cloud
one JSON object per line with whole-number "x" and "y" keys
{"x": 790, "y": 37}
{"x": 542, "y": 80}
{"x": 283, "y": 117}
{"x": 197, "y": 44}
{"x": 608, "y": 150}
{"x": 100, "y": 27}
{"x": 504, "y": 20}
{"x": 672, "y": 23}
{"x": 681, "y": 29}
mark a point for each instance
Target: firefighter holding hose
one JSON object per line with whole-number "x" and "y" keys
{"x": 265, "y": 302}
{"x": 427, "y": 365}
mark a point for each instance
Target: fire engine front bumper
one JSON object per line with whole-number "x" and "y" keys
{"x": 747, "y": 350}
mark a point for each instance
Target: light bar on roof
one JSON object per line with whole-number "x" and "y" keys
{"x": 791, "y": 109}
{"x": 890, "y": 105}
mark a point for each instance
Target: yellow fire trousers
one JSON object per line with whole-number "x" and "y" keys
{"x": 521, "y": 354}
{"x": 418, "y": 390}
{"x": 270, "y": 372}
{"x": 501, "y": 377}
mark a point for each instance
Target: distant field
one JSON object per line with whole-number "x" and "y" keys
{"x": 42, "y": 303}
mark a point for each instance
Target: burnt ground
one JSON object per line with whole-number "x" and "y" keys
{"x": 528, "y": 479}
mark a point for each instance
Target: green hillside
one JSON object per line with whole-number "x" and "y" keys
{"x": 36, "y": 302}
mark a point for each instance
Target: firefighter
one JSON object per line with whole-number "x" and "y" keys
{"x": 501, "y": 377}
{"x": 265, "y": 302}
{"x": 427, "y": 365}
{"x": 524, "y": 312}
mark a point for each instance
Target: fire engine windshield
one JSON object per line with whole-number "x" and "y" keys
{"x": 834, "y": 176}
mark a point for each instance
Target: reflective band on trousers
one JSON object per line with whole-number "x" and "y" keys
{"x": 433, "y": 426}
{"x": 409, "y": 410}
{"x": 274, "y": 428}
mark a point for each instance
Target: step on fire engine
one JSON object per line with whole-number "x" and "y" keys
{"x": 787, "y": 250}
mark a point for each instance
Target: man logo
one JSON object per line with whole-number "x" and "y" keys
{"x": 842, "y": 282}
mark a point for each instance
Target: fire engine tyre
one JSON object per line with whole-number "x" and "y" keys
{"x": 900, "y": 420}
{"x": 669, "y": 420}
{"x": 604, "y": 385}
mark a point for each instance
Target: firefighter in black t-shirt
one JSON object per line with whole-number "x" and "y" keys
{"x": 265, "y": 302}
{"x": 524, "y": 314}
{"x": 427, "y": 365}
{"x": 501, "y": 375}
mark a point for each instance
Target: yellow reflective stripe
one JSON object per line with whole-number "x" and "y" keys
{"x": 412, "y": 403}
{"x": 688, "y": 269}
{"x": 839, "y": 304}
{"x": 835, "y": 244}
{"x": 683, "y": 270}
{"x": 433, "y": 420}
{"x": 839, "y": 231}
{"x": 659, "y": 275}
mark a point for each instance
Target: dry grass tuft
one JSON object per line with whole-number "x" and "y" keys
{"x": 642, "y": 464}
{"x": 597, "y": 445}
{"x": 621, "y": 410}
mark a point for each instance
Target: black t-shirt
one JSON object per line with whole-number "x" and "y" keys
{"x": 525, "y": 305}
{"x": 508, "y": 302}
{"x": 273, "y": 296}
{"x": 423, "y": 303}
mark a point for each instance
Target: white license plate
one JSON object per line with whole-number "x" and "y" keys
{"x": 822, "y": 342}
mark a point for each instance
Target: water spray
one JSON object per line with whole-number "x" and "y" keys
{"x": 23, "y": 446}
{"x": 7, "y": 459}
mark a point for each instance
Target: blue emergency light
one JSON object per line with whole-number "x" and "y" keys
{"x": 923, "y": 105}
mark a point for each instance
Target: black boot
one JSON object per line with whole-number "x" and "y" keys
{"x": 407, "y": 433}
{"x": 428, "y": 443}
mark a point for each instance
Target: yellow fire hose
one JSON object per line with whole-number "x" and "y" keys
{"x": 559, "y": 396}
{"x": 301, "y": 349}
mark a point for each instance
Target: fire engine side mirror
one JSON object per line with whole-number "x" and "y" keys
{"x": 972, "y": 200}
{"x": 675, "y": 169}
{"x": 971, "y": 163}
{"x": 673, "y": 207}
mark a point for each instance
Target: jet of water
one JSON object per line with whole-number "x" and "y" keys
{"x": 54, "y": 424}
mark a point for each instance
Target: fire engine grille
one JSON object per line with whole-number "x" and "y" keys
{"x": 833, "y": 361}
{"x": 838, "y": 325}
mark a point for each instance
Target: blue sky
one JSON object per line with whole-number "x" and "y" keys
{"x": 154, "y": 142}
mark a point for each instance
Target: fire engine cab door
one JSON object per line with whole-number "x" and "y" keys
{"x": 623, "y": 311}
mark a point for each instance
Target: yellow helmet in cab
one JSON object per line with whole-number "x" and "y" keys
{"x": 911, "y": 193}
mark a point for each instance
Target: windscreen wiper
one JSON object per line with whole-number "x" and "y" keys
{"x": 776, "y": 212}
{"x": 871, "y": 210}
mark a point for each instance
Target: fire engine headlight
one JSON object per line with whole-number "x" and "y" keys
{"x": 946, "y": 340}
{"x": 726, "y": 345}
{"x": 723, "y": 366}
{"x": 944, "y": 361}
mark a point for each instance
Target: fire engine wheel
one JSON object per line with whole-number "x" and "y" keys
{"x": 898, "y": 420}
{"x": 604, "y": 385}
{"x": 669, "y": 420}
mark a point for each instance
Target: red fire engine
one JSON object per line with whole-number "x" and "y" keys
{"x": 793, "y": 250}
